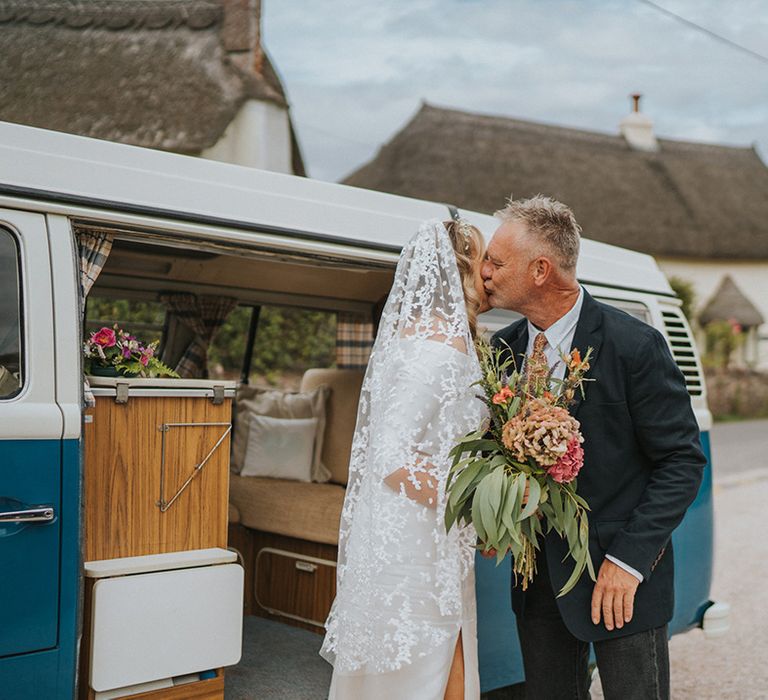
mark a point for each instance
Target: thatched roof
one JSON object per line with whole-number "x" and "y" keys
{"x": 687, "y": 199}
{"x": 729, "y": 303}
{"x": 154, "y": 73}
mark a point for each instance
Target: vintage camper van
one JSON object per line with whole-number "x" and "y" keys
{"x": 136, "y": 548}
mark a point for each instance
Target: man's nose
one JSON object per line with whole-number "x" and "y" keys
{"x": 485, "y": 270}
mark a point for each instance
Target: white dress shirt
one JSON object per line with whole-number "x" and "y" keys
{"x": 560, "y": 342}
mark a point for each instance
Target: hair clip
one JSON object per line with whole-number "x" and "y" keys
{"x": 465, "y": 229}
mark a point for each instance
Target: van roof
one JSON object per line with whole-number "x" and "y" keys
{"x": 48, "y": 166}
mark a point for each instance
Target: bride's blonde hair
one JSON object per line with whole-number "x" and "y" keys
{"x": 469, "y": 247}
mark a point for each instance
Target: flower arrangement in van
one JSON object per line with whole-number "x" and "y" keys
{"x": 115, "y": 348}
{"x": 515, "y": 478}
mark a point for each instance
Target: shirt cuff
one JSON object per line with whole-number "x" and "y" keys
{"x": 626, "y": 567}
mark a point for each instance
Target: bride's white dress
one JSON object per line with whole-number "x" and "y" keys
{"x": 405, "y": 586}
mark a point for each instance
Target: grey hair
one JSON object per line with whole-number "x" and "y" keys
{"x": 551, "y": 223}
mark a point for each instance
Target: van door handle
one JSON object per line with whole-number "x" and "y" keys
{"x": 38, "y": 514}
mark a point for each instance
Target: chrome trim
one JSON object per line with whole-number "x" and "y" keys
{"x": 37, "y": 514}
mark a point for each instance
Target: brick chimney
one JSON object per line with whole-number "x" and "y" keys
{"x": 241, "y": 33}
{"x": 637, "y": 128}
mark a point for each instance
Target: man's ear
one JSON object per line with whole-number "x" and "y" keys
{"x": 542, "y": 269}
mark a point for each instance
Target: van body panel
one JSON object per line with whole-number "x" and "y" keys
{"x": 73, "y": 170}
{"x": 65, "y": 278}
{"x": 40, "y": 560}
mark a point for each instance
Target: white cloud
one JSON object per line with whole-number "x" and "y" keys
{"x": 356, "y": 70}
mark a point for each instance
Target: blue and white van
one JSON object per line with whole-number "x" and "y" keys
{"x": 308, "y": 244}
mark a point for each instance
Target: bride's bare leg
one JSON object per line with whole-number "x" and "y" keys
{"x": 426, "y": 494}
{"x": 455, "y": 689}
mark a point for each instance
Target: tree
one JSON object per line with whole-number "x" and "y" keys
{"x": 684, "y": 289}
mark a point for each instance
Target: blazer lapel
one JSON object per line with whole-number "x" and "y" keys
{"x": 588, "y": 335}
{"x": 516, "y": 340}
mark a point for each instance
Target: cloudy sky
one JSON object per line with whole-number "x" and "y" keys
{"x": 357, "y": 70}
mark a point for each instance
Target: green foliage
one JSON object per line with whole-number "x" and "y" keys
{"x": 142, "y": 318}
{"x": 684, "y": 289}
{"x": 722, "y": 340}
{"x": 288, "y": 340}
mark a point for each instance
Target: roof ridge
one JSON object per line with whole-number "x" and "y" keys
{"x": 578, "y": 132}
{"x": 526, "y": 123}
{"x": 113, "y": 14}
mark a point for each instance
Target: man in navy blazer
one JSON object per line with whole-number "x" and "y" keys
{"x": 642, "y": 467}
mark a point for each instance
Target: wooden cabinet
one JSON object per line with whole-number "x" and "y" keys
{"x": 291, "y": 580}
{"x": 155, "y": 481}
{"x": 143, "y": 441}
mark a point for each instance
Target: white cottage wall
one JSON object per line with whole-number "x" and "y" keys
{"x": 258, "y": 137}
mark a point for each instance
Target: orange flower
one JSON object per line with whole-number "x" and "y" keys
{"x": 549, "y": 396}
{"x": 576, "y": 356}
{"x": 503, "y": 396}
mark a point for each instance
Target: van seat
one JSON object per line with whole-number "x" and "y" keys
{"x": 305, "y": 510}
{"x": 234, "y": 514}
{"x": 340, "y": 416}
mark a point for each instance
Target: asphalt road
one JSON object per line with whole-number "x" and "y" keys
{"x": 739, "y": 447}
{"x": 736, "y": 665}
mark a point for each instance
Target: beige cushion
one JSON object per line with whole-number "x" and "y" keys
{"x": 293, "y": 508}
{"x": 280, "y": 448}
{"x": 234, "y": 515}
{"x": 340, "y": 415}
{"x": 279, "y": 404}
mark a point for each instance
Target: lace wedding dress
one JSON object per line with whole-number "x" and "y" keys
{"x": 405, "y": 587}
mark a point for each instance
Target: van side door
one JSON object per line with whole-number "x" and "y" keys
{"x": 30, "y": 466}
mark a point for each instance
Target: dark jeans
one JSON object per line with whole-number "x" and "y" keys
{"x": 635, "y": 667}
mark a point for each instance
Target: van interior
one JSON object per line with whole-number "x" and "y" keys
{"x": 284, "y": 529}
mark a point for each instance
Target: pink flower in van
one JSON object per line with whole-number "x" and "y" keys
{"x": 118, "y": 352}
{"x": 105, "y": 337}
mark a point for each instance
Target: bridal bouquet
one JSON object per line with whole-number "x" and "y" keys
{"x": 516, "y": 477}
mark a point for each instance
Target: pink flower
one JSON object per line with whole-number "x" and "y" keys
{"x": 104, "y": 337}
{"x": 126, "y": 352}
{"x": 503, "y": 396}
{"x": 144, "y": 360}
{"x": 568, "y": 466}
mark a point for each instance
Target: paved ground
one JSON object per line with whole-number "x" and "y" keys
{"x": 739, "y": 447}
{"x": 734, "y": 666}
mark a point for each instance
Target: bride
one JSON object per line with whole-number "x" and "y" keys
{"x": 403, "y": 624}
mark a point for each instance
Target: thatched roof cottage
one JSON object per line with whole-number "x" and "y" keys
{"x": 700, "y": 209}
{"x": 189, "y": 76}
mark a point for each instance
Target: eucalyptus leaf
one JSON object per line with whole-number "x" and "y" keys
{"x": 572, "y": 580}
{"x": 534, "y": 493}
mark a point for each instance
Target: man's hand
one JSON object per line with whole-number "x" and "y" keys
{"x": 613, "y": 596}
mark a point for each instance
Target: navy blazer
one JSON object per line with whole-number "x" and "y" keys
{"x": 643, "y": 464}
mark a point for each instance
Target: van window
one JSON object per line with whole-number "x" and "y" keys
{"x": 11, "y": 374}
{"x": 288, "y": 341}
{"x": 141, "y": 318}
{"x": 634, "y": 308}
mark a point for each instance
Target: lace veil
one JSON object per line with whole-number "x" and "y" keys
{"x": 400, "y": 575}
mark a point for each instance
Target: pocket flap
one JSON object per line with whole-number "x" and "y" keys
{"x": 607, "y": 530}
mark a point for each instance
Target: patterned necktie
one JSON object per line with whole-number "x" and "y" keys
{"x": 538, "y": 356}
{"x": 537, "y": 367}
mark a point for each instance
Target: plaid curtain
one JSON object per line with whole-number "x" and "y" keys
{"x": 94, "y": 250}
{"x": 354, "y": 341}
{"x": 203, "y": 315}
